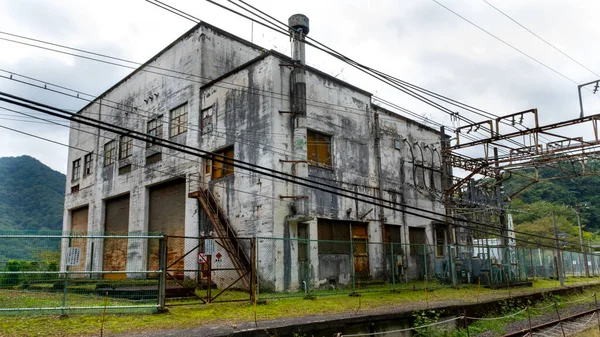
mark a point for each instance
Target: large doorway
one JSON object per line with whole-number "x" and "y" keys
{"x": 116, "y": 221}
{"x": 167, "y": 216}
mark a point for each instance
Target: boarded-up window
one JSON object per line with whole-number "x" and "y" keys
{"x": 416, "y": 238}
{"x": 392, "y": 237}
{"x": 222, "y": 166}
{"x": 318, "y": 149}
{"x": 332, "y": 230}
{"x": 153, "y": 158}
{"x": 440, "y": 241}
{"x": 116, "y": 221}
{"x": 178, "y": 119}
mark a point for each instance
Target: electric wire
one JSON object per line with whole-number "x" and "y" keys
{"x": 244, "y": 165}
{"x": 541, "y": 38}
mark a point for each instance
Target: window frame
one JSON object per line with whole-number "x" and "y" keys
{"x": 178, "y": 123}
{"x": 110, "y": 149}
{"x": 439, "y": 246}
{"x": 206, "y": 120}
{"x": 312, "y": 156}
{"x": 155, "y": 131}
{"x": 75, "y": 169}
{"x": 125, "y": 147}
{"x": 88, "y": 162}
{"x": 223, "y": 169}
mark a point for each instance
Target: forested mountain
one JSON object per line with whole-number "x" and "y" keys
{"x": 576, "y": 189}
{"x": 31, "y": 195}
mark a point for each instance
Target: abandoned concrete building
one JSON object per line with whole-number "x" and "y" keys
{"x": 228, "y": 96}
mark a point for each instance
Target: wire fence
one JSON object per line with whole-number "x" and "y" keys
{"x": 69, "y": 273}
{"x": 72, "y": 272}
{"x": 303, "y": 267}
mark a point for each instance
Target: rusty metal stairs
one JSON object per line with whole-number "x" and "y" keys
{"x": 226, "y": 233}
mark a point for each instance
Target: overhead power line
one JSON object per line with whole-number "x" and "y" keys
{"x": 542, "y": 39}
{"x": 283, "y": 29}
{"x": 508, "y": 44}
{"x": 351, "y": 194}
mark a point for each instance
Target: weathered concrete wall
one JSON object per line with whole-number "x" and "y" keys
{"x": 262, "y": 135}
{"x": 151, "y": 92}
{"x": 249, "y": 111}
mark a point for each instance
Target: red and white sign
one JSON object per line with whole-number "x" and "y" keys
{"x": 201, "y": 258}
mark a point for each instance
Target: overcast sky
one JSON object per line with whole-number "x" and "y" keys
{"x": 418, "y": 41}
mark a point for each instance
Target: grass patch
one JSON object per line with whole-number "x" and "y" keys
{"x": 231, "y": 314}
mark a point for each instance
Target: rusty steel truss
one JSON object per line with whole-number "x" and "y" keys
{"x": 520, "y": 155}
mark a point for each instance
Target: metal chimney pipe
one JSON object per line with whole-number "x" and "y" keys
{"x": 299, "y": 28}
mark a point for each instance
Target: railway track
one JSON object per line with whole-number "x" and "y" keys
{"x": 563, "y": 327}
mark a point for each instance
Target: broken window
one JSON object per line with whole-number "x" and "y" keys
{"x": 206, "y": 124}
{"x": 318, "y": 149}
{"x": 440, "y": 241}
{"x": 222, "y": 167}
{"x": 109, "y": 153}
{"x": 178, "y": 119}
{"x": 154, "y": 129}
{"x": 88, "y": 161}
{"x": 125, "y": 147}
{"x": 76, "y": 167}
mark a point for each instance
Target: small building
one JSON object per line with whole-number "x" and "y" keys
{"x": 217, "y": 92}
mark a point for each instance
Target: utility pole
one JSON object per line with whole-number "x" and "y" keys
{"x": 579, "y": 90}
{"x": 502, "y": 216}
{"x": 578, "y": 212}
{"x": 558, "y": 257}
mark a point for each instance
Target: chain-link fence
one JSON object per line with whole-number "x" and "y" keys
{"x": 302, "y": 267}
{"x": 65, "y": 273}
{"x": 55, "y": 272}
{"x": 210, "y": 269}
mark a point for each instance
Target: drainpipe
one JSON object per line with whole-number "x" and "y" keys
{"x": 379, "y": 192}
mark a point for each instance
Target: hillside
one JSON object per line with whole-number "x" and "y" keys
{"x": 31, "y": 195}
{"x": 581, "y": 190}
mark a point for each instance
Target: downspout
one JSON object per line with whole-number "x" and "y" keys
{"x": 379, "y": 192}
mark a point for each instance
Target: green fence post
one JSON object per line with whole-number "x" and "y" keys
{"x": 425, "y": 269}
{"x": 64, "y": 300}
{"x": 352, "y": 266}
{"x": 453, "y": 276}
{"x": 308, "y": 267}
{"x": 256, "y": 285}
{"x": 162, "y": 261}
{"x": 393, "y": 265}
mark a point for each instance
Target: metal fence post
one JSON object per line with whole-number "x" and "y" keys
{"x": 425, "y": 269}
{"x": 162, "y": 260}
{"x": 453, "y": 276}
{"x": 352, "y": 266}
{"x": 466, "y": 322}
{"x": 253, "y": 271}
{"x": 309, "y": 267}
{"x": 392, "y": 264}
{"x": 66, "y": 282}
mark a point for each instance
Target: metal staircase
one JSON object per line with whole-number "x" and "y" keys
{"x": 227, "y": 235}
